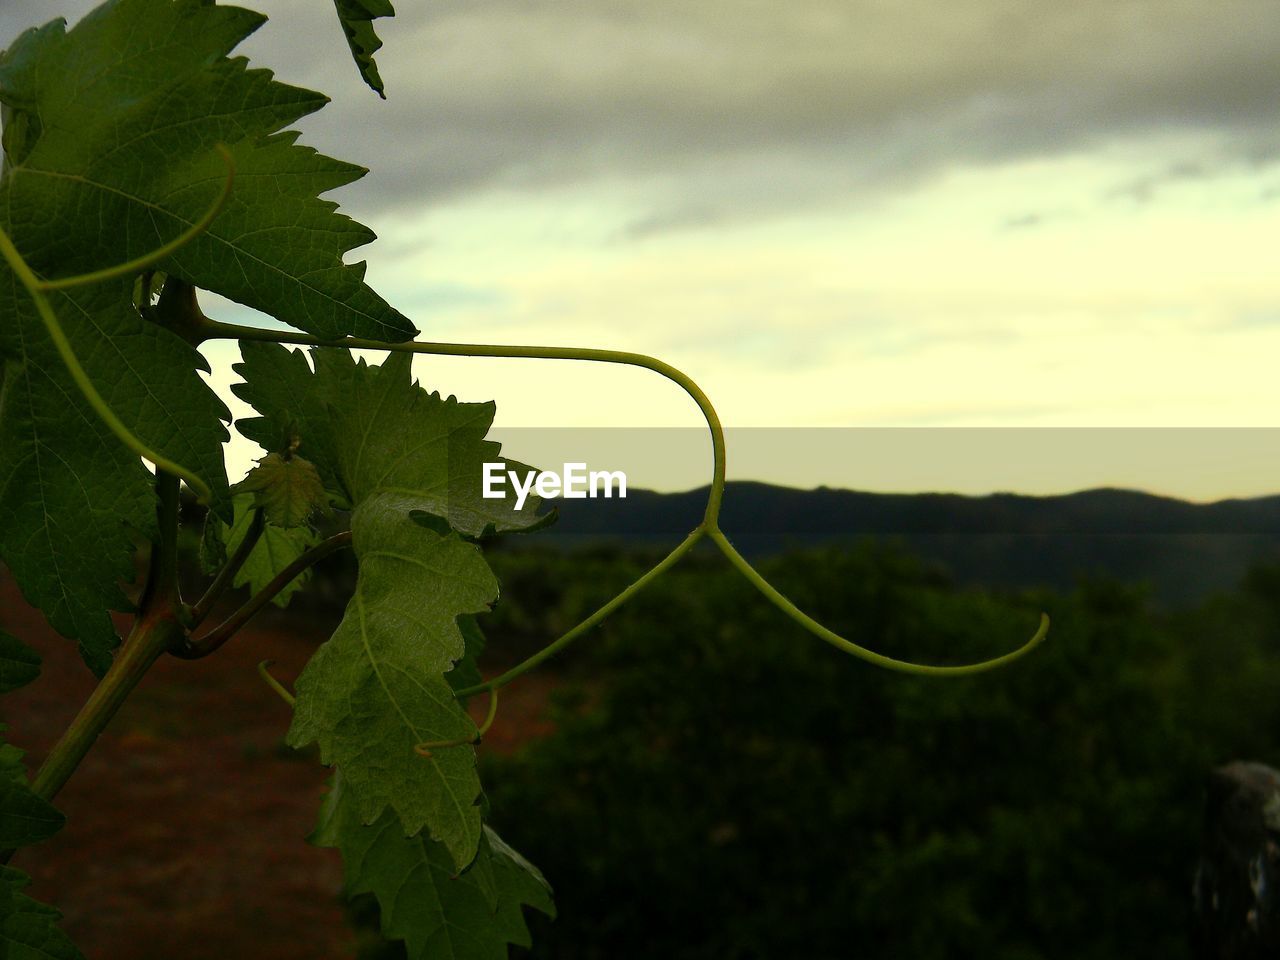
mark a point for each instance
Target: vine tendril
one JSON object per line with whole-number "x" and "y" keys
{"x": 847, "y": 646}
{"x": 264, "y": 671}
{"x": 424, "y": 749}
{"x": 37, "y": 288}
{"x": 138, "y": 264}
{"x": 709, "y": 527}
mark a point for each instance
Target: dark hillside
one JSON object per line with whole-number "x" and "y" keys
{"x": 1183, "y": 551}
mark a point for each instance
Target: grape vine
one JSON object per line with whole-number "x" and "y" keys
{"x": 143, "y": 163}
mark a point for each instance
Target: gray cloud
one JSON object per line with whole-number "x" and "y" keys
{"x": 1143, "y": 189}
{"x": 738, "y": 108}
{"x": 1244, "y": 155}
{"x": 1026, "y": 221}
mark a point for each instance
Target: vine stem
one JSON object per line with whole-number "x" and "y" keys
{"x": 154, "y": 631}
{"x": 200, "y": 609}
{"x": 193, "y": 649}
{"x": 147, "y": 641}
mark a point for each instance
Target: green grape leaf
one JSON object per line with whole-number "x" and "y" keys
{"x": 294, "y": 407}
{"x": 424, "y": 901}
{"x": 410, "y": 463}
{"x": 466, "y": 673}
{"x": 11, "y": 765}
{"x": 376, "y": 689}
{"x": 19, "y": 664}
{"x": 110, "y": 154}
{"x": 356, "y": 17}
{"x": 518, "y": 882}
{"x": 29, "y": 929}
{"x": 276, "y": 548}
{"x": 69, "y": 491}
{"x": 66, "y": 543}
{"x": 109, "y": 138}
{"x": 288, "y": 489}
{"x": 24, "y": 817}
{"x": 371, "y": 430}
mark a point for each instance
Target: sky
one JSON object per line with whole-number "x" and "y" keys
{"x": 939, "y": 231}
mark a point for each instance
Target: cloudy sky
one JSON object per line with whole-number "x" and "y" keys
{"x": 831, "y": 213}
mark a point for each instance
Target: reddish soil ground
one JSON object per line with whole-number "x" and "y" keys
{"x": 185, "y": 824}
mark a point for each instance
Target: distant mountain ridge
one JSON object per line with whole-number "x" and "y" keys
{"x": 1183, "y": 550}
{"x": 760, "y": 508}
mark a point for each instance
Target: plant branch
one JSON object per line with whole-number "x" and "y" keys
{"x": 161, "y": 588}
{"x": 194, "y": 649}
{"x": 144, "y": 645}
{"x": 155, "y": 629}
{"x": 200, "y": 609}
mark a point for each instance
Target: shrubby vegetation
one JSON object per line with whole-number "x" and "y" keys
{"x": 718, "y": 786}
